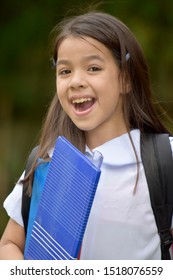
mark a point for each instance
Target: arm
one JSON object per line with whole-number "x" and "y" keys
{"x": 12, "y": 242}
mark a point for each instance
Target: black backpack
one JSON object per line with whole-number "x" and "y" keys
{"x": 157, "y": 159}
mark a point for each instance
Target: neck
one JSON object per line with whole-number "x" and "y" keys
{"x": 100, "y": 136}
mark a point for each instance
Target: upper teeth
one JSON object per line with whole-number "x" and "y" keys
{"x": 81, "y": 100}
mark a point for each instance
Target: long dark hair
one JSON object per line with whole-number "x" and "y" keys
{"x": 138, "y": 106}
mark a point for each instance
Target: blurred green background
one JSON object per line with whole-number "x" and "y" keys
{"x": 27, "y": 81}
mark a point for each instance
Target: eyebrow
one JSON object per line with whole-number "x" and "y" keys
{"x": 93, "y": 57}
{"x": 86, "y": 58}
{"x": 62, "y": 61}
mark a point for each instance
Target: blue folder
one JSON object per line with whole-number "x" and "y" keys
{"x": 64, "y": 205}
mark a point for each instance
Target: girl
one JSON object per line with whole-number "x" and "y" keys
{"x": 103, "y": 102}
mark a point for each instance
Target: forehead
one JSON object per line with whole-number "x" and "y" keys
{"x": 73, "y": 45}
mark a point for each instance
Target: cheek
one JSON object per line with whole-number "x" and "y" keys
{"x": 60, "y": 89}
{"x": 62, "y": 98}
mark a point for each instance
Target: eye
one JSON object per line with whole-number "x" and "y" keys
{"x": 64, "y": 72}
{"x": 94, "y": 69}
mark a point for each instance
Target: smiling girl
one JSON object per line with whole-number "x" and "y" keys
{"x": 89, "y": 88}
{"x": 103, "y": 102}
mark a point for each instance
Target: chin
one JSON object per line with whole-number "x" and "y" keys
{"x": 84, "y": 127}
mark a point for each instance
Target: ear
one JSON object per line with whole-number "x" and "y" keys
{"x": 128, "y": 87}
{"x": 125, "y": 84}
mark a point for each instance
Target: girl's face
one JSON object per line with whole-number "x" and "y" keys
{"x": 89, "y": 88}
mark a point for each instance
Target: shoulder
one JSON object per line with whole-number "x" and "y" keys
{"x": 13, "y": 202}
{"x": 171, "y": 143}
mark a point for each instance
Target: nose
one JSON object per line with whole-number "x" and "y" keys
{"x": 77, "y": 80}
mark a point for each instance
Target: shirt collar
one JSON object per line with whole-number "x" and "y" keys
{"x": 117, "y": 151}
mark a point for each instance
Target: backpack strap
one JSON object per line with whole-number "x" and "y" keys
{"x": 26, "y": 199}
{"x": 157, "y": 159}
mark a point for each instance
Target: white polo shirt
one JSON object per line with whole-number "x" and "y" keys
{"x": 121, "y": 224}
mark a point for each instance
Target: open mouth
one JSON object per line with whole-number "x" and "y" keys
{"x": 83, "y": 104}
